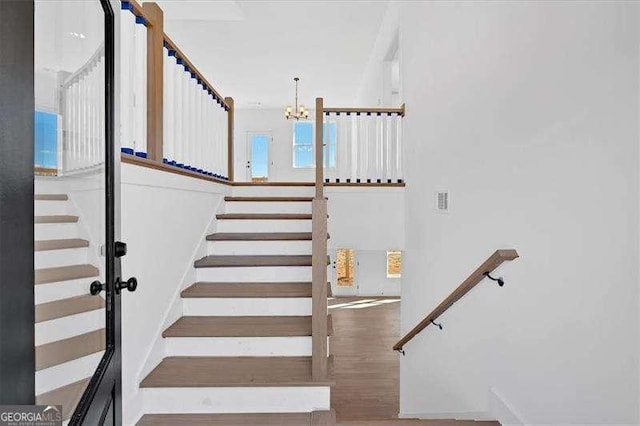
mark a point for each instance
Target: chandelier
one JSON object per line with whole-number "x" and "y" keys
{"x": 298, "y": 112}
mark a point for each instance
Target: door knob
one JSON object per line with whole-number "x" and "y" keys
{"x": 95, "y": 288}
{"x": 131, "y": 284}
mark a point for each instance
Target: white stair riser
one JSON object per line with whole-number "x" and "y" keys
{"x": 67, "y": 373}
{"x": 267, "y": 207}
{"x": 259, "y": 247}
{"x": 66, "y": 257}
{"x": 255, "y": 274}
{"x": 261, "y": 225}
{"x": 55, "y": 291}
{"x": 69, "y": 326}
{"x": 238, "y": 346}
{"x": 236, "y": 399}
{"x": 47, "y": 207}
{"x": 247, "y": 306}
{"x": 56, "y": 231}
{"x": 273, "y": 191}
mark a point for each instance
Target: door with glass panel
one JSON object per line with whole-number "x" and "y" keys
{"x": 76, "y": 253}
{"x": 258, "y": 156}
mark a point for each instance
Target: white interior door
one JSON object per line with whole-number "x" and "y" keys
{"x": 258, "y": 161}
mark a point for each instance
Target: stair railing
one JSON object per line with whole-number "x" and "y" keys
{"x": 483, "y": 271}
{"x": 82, "y": 116}
{"x": 174, "y": 119}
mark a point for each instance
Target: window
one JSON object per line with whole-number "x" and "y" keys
{"x": 394, "y": 264}
{"x": 303, "y": 144}
{"x": 46, "y": 140}
{"x": 345, "y": 260}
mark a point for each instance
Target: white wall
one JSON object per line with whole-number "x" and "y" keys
{"x": 528, "y": 114}
{"x": 165, "y": 218}
{"x": 281, "y": 150}
{"x": 370, "y": 221}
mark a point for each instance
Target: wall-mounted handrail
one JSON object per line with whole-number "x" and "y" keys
{"x": 495, "y": 260}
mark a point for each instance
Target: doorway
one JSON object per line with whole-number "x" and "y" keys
{"x": 258, "y": 161}
{"x": 344, "y": 272}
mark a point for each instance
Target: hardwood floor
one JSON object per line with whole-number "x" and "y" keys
{"x": 365, "y": 369}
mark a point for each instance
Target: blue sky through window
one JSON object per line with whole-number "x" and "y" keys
{"x": 46, "y": 140}
{"x": 303, "y": 140}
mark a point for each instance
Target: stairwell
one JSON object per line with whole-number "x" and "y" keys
{"x": 69, "y": 322}
{"x": 241, "y": 352}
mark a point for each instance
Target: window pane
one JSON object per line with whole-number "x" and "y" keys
{"x": 394, "y": 264}
{"x": 330, "y": 152}
{"x": 303, "y": 156}
{"x": 303, "y": 133}
{"x": 345, "y": 261}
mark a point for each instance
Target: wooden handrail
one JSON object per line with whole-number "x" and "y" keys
{"x": 171, "y": 45}
{"x": 400, "y": 110}
{"x": 319, "y": 308}
{"x": 495, "y": 260}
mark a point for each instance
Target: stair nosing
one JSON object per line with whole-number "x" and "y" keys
{"x": 264, "y": 216}
{"x": 191, "y": 291}
{"x": 249, "y": 261}
{"x": 58, "y": 307}
{"x": 63, "y": 351}
{"x": 50, "y": 197}
{"x": 64, "y": 273}
{"x": 62, "y": 244}
{"x": 259, "y": 326}
{"x": 55, "y": 218}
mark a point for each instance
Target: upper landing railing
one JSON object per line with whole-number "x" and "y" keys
{"x": 172, "y": 113}
{"x": 352, "y": 145}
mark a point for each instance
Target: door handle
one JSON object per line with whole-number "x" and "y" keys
{"x": 131, "y": 284}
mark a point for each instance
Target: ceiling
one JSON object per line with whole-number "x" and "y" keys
{"x": 251, "y": 50}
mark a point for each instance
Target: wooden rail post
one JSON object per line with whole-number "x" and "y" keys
{"x": 155, "y": 79}
{"x": 230, "y": 119}
{"x": 319, "y": 260}
{"x": 319, "y": 148}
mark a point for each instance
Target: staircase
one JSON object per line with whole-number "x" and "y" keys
{"x": 241, "y": 352}
{"x": 69, "y": 323}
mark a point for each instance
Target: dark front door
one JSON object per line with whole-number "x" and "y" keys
{"x": 77, "y": 257}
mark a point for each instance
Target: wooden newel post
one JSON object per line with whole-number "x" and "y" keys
{"x": 319, "y": 362}
{"x": 155, "y": 79}
{"x": 230, "y": 118}
{"x": 319, "y": 148}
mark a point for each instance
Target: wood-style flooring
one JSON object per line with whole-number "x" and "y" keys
{"x": 365, "y": 369}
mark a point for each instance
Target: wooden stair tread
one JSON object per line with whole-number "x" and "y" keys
{"x": 260, "y": 236}
{"x": 70, "y": 306}
{"x": 62, "y": 218}
{"x": 187, "y": 372}
{"x": 68, "y": 396}
{"x": 227, "y": 419}
{"x": 242, "y": 290}
{"x": 65, "y": 273}
{"x": 269, "y": 199}
{"x": 70, "y": 243}
{"x": 50, "y": 197}
{"x": 214, "y": 261}
{"x": 264, "y": 216}
{"x": 242, "y": 326}
{"x": 65, "y": 350}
